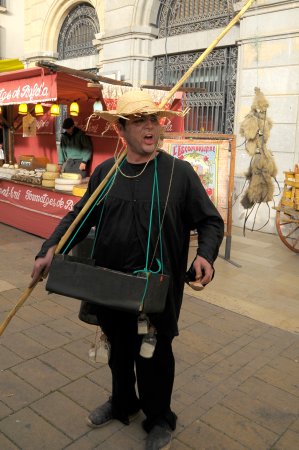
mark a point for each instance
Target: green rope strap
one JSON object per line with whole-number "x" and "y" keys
{"x": 147, "y": 271}
{"x": 155, "y": 193}
{"x": 97, "y": 200}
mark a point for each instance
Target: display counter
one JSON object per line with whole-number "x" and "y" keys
{"x": 33, "y": 209}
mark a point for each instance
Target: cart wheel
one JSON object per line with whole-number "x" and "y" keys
{"x": 288, "y": 229}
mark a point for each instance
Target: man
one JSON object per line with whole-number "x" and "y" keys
{"x": 121, "y": 245}
{"x": 75, "y": 149}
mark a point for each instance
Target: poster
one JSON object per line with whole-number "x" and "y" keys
{"x": 210, "y": 160}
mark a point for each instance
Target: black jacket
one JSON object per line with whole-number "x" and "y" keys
{"x": 123, "y": 230}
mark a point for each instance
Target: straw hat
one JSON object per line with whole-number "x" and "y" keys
{"x": 135, "y": 103}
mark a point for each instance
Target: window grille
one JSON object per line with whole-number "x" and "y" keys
{"x": 212, "y": 104}
{"x": 187, "y": 16}
{"x": 77, "y": 33}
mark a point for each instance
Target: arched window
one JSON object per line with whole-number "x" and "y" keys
{"x": 77, "y": 32}
{"x": 186, "y": 16}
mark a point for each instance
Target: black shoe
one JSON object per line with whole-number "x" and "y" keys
{"x": 102, "y": 415}
{"x": 159, "y": 438}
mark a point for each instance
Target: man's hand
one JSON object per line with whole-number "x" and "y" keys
{"x": 42, "y": 266}
{"x": 82, "y": 166}
{"x": 203, "y": 269}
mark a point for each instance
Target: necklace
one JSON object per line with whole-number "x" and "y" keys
{"x": 138, "y": 174}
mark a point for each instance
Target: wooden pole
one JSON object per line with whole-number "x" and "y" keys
{"x": 10, "y": 135}
{"x": 17, "y": 306}
{"x": 63, "y": 240}
{"x": 88, "y": 204}
{"x": 206, "y": 53}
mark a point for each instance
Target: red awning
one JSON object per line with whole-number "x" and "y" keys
{"x": 72, "y": 88}
{"x": 37, "y": 85}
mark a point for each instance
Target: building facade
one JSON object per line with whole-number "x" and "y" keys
{"x": 12, "y": 29}
{"x": 156, "y": 41}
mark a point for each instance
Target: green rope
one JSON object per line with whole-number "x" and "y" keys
{"x": 155, "y": 193}
{"x": 98, "y": 199}
{"x": 160, "y": 263}
{"x": 146, "y": 270}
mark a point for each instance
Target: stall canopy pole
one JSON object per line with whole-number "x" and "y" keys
{"x": 90, "y": 201}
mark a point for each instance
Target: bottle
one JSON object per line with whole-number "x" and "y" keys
{"x": 100, "y": 351}
{"x": 148, "y": 343}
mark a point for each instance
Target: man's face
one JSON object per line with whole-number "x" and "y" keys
{"x": 70, "y": 130}
{"x": 141, "y": 134}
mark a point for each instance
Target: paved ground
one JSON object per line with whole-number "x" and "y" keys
{"x": 237, "y": 379}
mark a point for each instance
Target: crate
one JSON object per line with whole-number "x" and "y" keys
{"x": 31, "y": 162}
{"x": 289, "y": 176}
{"x": 290, "y": 195}
{"x": 287, "y": 202}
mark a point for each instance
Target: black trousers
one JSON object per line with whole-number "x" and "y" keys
{"x": 154, "y": 375}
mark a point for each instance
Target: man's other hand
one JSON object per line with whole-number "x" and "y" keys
{"x": 203, "y": 269}
{"x": 42, "y": 266}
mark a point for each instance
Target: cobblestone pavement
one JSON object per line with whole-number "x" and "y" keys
{"x": 236, "y": 387}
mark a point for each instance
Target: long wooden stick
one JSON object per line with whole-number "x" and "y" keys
{"x": 101, "y": 186}
{"x": 88, "y": 204}
{"x": 63, "y": 240}
{"x": 206, "y": 53}
{"x": 17, "y": 306}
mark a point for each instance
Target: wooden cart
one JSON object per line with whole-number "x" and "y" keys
{"x": 287, "y": 213}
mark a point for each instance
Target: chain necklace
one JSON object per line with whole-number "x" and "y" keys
{"x": 141, "y": 172}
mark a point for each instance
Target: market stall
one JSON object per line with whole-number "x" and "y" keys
{"x": 28, "y": 205}
{"x": 30, "y": 138}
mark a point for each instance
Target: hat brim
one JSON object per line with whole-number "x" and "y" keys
{"x": 112, "y": 116}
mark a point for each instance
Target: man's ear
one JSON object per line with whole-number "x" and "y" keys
{"x": 119, "y": 129}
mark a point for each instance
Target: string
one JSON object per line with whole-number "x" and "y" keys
{"x": 146, "y": 270}
{"x": 164, "y": 212}
{"x": 138, "y": 174}
{"x": 100, "y": 198}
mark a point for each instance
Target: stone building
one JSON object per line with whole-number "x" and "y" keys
{"x": 156, "y": 41}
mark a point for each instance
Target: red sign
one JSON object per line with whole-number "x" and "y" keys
{"x": 33, "y": 209}
{"x": 37, "y": 199}
{"x": 29, "y": 90}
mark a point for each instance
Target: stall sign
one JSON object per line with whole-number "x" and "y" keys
{"x": 36, "y": 199}
{"x": 33, "y": 209}
{"x": 29, "y": 90}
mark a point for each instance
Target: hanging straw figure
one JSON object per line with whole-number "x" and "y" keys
{"x": 255, "y": 128}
